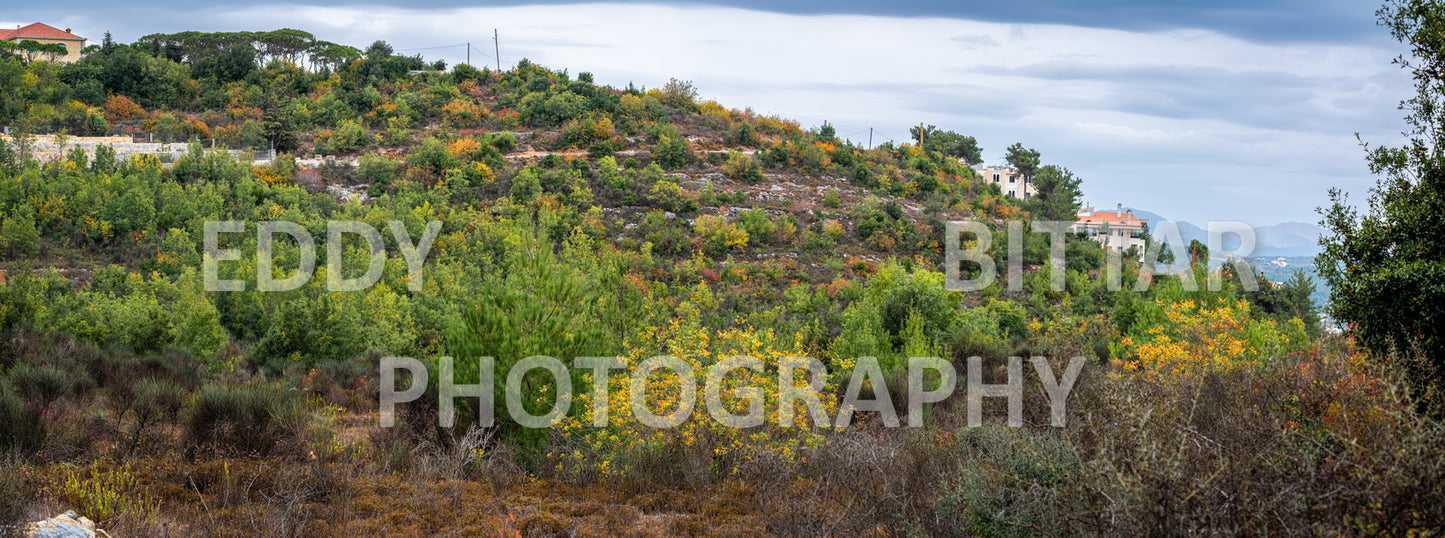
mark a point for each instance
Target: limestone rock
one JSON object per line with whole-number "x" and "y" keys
{"x": 67, "y": 525}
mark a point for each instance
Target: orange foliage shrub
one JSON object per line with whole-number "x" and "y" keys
{"x": 463, "y": 147}
{"x": 120, "y": 107}
{"x": 461, "y": 112}
{"x": 197, "y": 128}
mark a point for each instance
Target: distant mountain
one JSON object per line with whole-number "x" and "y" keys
{"x": 1285, "y": 239}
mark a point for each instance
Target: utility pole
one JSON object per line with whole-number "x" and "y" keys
{"x": 870, "y": 138}
{"x": 469, "y": 53}
{"x": 498, "y": 44}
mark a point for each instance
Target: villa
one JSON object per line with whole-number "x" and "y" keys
{"x": 1009, "y": 181}
{"x": 1117, "y": 230}
{"x": 46, "y": 34}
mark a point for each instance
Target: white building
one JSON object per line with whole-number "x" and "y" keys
{"x": 1008, "y": 180}
{"x": 1117, "y": 230}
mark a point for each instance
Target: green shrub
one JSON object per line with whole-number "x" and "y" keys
{"x": 19, "y": 235}
{"x": 378, "y": 169}
{"x": 258, "y": 418}
{"x": 737, "y": 165}
{"x": 40, "y": 385}
{"x": 758, "y": 225}
{"x": 1008, "y": 482}
{"x": 107, "y": 495}
{"x": 504, "y": 141}
{"x": 672, "y": 152}
{"x": 21, "y": 428}
{"x": 433, "y": 155}
{"x": 348, "y": 137}
{"x": 153, "y": 400}
{"x": 527, "y": 185}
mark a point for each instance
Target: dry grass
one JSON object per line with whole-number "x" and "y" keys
{"x": 1308, "y": 444}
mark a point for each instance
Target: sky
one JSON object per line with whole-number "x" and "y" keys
{"x": 1211, "y": 110}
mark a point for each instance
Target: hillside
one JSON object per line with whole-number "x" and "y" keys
{"x": 205, "y": 341}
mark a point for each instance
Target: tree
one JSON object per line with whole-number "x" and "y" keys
{"x": 1198, "y": 253}
{"x": 18, "y": 234}
{"x": 276, "y": 120}
{"x": 31, "y": 48}
{"x": 672, "y": 152}
{"x": 827, "y": 133}
{"x": 53, "y": 50}
{"x": 1025, "y": 160}
{"x": 11, "y": 86}
{"x": 1386, "y": 268}
{"x": 333, "y": 56}
{"x": 963, "y": 148}
{"x": 230, "y": 66}
{"x": 679, "y": 94}
{"x": 1290, "y": 300}
{"x": 1056, "y": 194}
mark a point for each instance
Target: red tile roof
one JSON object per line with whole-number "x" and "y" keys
{"x": 1112, "y": 218}
{"x": 38, "y": 30}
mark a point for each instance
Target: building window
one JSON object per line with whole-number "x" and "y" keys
{"x": 1012, "y": 179}
{"x": 995, "y": 178}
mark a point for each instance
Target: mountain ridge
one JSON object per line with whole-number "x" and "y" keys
{"x": 1284, "y": 239}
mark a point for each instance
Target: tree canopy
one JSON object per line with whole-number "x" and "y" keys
{"x": 1056, "y": 194}
{"x": 961, "y": 147}
{"x": 1025, "y": 160}
{"x": 1386, "y": 266}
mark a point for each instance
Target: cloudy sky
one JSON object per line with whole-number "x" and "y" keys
{"x": 1215, "y": 110}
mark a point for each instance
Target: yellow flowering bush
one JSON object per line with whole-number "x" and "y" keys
{"x": 704, "y": 445}
{"x": 1201, "y": 336}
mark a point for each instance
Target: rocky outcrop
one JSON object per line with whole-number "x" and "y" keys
{"x": 67, "y": 525}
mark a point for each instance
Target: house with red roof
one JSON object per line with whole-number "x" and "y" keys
{"x": 1117, "y": 230}
{"x": 44, "y": 34}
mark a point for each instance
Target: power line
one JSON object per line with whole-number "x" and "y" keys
{"x": 479, "y": 51}
{"x": 434, "y": 48}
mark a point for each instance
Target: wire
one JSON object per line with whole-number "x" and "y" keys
{"x": 434, "y": 48}
{"x": 479, "y": 51}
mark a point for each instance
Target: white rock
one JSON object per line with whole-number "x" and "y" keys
{"x": 67, "y": 525}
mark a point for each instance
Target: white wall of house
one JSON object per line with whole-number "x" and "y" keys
{"x": 1117, "y": 231}
{"x": 1008, "y": 180}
